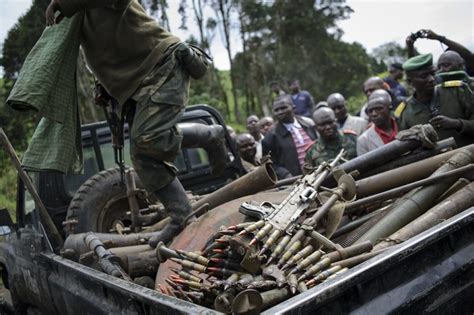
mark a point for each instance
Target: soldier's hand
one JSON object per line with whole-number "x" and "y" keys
{"x": 430, "y": 34}
{"x": 50, "y": 13}
{"x": 441, "y": 122}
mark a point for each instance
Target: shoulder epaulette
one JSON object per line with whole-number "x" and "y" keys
{"x": 349, "y": 132}
{"x": 399, "y": 110}
{"x": 452, "y": 83}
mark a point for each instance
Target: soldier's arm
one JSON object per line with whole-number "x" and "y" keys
{"x": 465, "y": 53}
{"x": 70, "y": 7}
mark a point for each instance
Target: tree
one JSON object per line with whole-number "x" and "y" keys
{"x": 389, "y": 53}
{"x": 224, "y": 10}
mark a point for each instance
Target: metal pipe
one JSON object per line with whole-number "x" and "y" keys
{"x": 262, "y": 178}
{"x": 458, "y": 202}
{"x": 404, "y": 175}
{"x": 417, "y": 155}
{"x": 423, "y": 199}
{"x": 405, "y": 188}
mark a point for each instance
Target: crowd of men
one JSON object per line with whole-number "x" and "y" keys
{"x": 302, "y": 135}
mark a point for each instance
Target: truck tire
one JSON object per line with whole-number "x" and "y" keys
{"x": 100, "y": 203}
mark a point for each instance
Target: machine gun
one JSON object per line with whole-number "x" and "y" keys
{"x": 115, "y": 121}
{"x": 276, "y": 221}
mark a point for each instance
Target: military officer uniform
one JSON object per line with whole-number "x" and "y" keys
{"x": 453, "y": 99}
{"x": 322, "y": 151}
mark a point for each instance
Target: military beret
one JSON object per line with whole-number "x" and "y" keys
{"x": 419, "y": 62}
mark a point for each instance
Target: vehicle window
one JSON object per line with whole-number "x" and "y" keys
{"x": 198, "y": 158}
{"x": 73, "y": 182}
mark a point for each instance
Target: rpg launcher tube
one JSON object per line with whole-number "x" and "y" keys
{"x": 270, "y": 241}
{"x": 186, "y": 275}
{"x": 279, "y": 248}
{"x": 194, "y": 257}
{"x": 252, "y": 227}
{"x": 311, "y": 259}
{"x": 290, "y": 252}
{"x": 350, "y": 251}
{"x": 320, "y": 265}
{"x": 190, "y": 265}
{"x": 298, "y": 256}
{"x": 261, "y": 234}
{"x": 323, "y": 275}
{"x": 353, "y": 261}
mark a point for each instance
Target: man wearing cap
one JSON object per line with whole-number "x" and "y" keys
{"x": 395, "y": 74}
{"x": 383, "y": 128}
{"x": 330, "y": 142}
{"x": 288, "y": 141}
{"x": 448, "y": 106}
{"x": 345, "y": 121}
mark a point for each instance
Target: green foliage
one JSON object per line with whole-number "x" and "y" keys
{"x": 389, "y": 53}
{"x": 22, "y": 37}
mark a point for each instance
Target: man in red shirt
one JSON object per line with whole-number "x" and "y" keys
{"x": 383, "y": 128}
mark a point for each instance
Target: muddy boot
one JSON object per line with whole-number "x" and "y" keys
{"x": 177, "y": 206}
{"x": 211, "y": 139}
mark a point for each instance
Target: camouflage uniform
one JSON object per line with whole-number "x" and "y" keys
{"x": 452, "y": 99}
{"x": 320, "y": 151}
{"x": 155, "y": 139}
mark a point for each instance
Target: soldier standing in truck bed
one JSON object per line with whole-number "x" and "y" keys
{"x": 140, "y": 63}
{"x": 448, "y": 106}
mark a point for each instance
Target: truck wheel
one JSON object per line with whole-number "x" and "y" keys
{"x": 101, "y": 204}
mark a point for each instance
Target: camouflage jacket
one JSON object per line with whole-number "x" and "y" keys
{"x": 453, "y": 99}
{"x": 321, "y": 151}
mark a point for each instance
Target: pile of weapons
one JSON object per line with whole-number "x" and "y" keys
{"x": 327, "y": 224}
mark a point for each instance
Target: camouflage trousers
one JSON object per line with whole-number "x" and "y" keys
{"x": 155, "y": 141}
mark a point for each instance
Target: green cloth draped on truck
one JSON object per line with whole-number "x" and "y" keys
{"x": 47, "y": 84}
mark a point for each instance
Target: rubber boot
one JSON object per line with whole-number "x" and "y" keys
{"x": 177, "y": 206}
{"x": 211, "y": 139}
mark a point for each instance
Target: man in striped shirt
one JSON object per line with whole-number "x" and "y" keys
{"x": 288, "y": 141}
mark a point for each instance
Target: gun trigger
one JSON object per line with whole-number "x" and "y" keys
{"x": 252, "y": 210}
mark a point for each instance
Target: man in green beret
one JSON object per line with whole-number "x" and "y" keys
{"x": 448, "y": 106}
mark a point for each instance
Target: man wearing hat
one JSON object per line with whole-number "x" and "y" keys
{"x": 448, "y": 106}
{"x": 395, "y": 74}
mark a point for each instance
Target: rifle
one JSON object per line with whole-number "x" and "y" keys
{"x": 115, "y": 121}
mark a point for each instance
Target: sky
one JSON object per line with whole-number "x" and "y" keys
{"x": 372, "y": 24}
